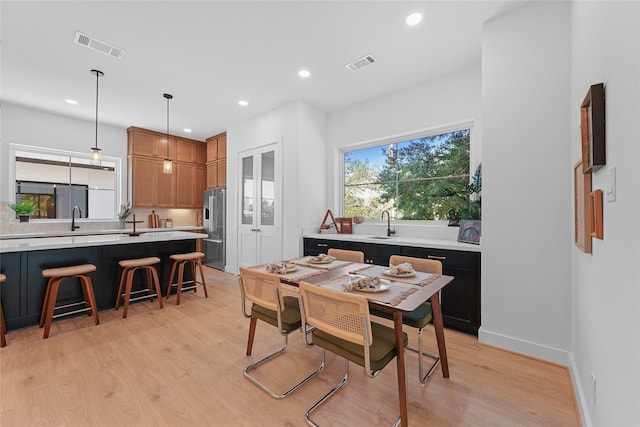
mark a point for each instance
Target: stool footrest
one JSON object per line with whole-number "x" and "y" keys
{"x": 142, "y": 297}
{"x": 69, "y": 313}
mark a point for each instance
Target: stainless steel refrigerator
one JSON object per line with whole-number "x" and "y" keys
{"x": 215, "y": 224}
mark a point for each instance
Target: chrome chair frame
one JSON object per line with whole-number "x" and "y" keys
{"x": 276, "y": 353}
{"x": 367, "y": 360}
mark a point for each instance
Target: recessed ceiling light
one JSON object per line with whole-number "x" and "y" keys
{"x": 243, "y": 103}
{"x": 187, "y": 130}
{"x": 304, "y": 73}
{"x": 414, "y": 19}
{"x": 71, "y": 101}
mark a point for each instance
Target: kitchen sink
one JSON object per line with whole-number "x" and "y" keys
{"x": 380, "y": 237}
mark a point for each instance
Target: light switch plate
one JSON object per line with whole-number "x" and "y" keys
{"x": 610, "y": 192}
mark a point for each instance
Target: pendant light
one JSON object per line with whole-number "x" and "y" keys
{"x": 167, "y": 166}
{"x": 96, "y": 153}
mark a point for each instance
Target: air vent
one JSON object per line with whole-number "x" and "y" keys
{"x": 97, "y": 45}
{"x": 360, "y": 63}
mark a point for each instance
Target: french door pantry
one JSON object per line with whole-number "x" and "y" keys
{"x": 260, "y": 222}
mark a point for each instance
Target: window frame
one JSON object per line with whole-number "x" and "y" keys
{"x": 15, "y": 148}
{"x": 392, "y": 139}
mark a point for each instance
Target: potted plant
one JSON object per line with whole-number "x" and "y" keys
{"x": 24, "y": 210}
{"x": 125, "y": 211}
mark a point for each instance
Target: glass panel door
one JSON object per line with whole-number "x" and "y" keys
{"x": 267, "y": 193}
{"x": 247, "y": 190}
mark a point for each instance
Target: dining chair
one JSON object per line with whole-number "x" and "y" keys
{"x": 346, "y": 255}
{"x": 268, "y": 304}
{"x": 421, "y": 316}
{"x": 340, "y": 322}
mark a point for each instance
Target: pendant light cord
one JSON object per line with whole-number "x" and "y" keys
{"x": 98, "y": 74}
{"x": 168, "y": 97}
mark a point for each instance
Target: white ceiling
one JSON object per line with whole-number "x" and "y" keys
{"x": 210, "y": 54}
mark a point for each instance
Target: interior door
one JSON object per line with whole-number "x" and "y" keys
{"x": 259, "y": 236}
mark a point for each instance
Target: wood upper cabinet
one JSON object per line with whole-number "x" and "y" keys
{"x": 217, "y": 161}
{"x": 150, "y": 187}
{"x": 190, "y": 180}
{"x": 147, "y": 143}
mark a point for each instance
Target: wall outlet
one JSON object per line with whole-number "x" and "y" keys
{"x": 593, "y": 388}
{"x": 610, "y": 192}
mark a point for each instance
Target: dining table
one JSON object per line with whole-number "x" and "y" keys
{"x": 402, "y": 293}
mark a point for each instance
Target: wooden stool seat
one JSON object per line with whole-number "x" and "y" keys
{"x": 3, "y": 326}
{"x": 140, "y": 262}
{"x": 179, "y": 260}
{"x": 56, "y": 276}
{"x": 129, "y": 267}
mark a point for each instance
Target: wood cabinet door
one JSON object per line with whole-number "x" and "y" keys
{"x": 142, "y": 144}
{"x": 165, "y": 187}
{"x": 222, "y": 146}
{"x": 200, "y": 153}
{"x": 185, "y": 179}
{"x": 222, "y": 173}
{"x": 185, "y": 151}
{"x": 212, "y": 175}
{"x": 212, "y": 149}
{"x": 144, "y": 181}
{"x": 200, "y": 186}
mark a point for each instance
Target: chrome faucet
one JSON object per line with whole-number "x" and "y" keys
{"x": 73, "y": 217}
{"x": 389, "y": 230}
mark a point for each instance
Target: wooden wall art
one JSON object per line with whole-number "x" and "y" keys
{"x": 581, "y": 210}
{"x": 595, "y": 204}
{"x": 592, "y": 128}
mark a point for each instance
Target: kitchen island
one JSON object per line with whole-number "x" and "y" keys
{"x": 22, "y": 261}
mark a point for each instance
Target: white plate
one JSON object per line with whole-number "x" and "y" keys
{"x": 325, "y": 260}
{"x": 380, "y": 287}
{"x": 388, "y": 272}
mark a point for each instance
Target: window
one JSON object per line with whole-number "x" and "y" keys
{"x": 421, "y": 178}
{"x": 56, "y": 181}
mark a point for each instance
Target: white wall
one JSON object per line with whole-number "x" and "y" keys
{"x": 32, "y": 127}
{"x": 301, "y": 130}
{"x": 606, "y": 295}
{"x": 451, "y": 99}
{"x": 527, "y": 199}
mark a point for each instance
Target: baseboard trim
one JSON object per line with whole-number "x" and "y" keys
{"x": 550, "y": 354}
{"x": 580, "y": 396}
{"x": 539, "y": 351}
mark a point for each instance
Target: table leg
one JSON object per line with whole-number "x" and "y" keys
{"x": 402, "y": 375}
{"x": 439, "y": 327}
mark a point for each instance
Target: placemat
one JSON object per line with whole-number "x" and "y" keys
{"x": 294, "y": 276}
{"x": 393, "y": 296}
{"x": 420, "y": 278}
{"x": 328, "y": 266}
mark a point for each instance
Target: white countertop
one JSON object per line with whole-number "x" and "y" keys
{"x": 89, "y": 232}
{"x": 75, "y": 241}
{"x": 399, "y": 240}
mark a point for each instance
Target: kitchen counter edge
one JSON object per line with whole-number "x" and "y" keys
{"x": 399, "y": 240}
{"x": 46, "y": 243}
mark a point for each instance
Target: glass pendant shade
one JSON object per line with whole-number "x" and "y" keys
{"x": 96, "y": 153}
{"x": 96, "y": 156}
{"x": 167, "y": 166}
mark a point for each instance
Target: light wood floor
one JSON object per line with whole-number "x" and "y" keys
{"x": 183, "y": 366}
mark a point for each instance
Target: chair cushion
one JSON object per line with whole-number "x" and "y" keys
{"x": 192, "y": 256}
{"x": 418, "y": 318}
{"x": 69, "y": 271}
{"x": 382, "y": 351}
{"x": 140, "y": 262}
{"x": 290, "y": 315}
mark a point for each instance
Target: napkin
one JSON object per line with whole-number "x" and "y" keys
{"x": 280, "y": 267}
{"x": 359, "y": 283}
{"x": 404, "y": 268}
{"x": 319, "y": 257}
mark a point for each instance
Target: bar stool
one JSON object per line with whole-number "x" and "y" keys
{"x": 3, "y": 326}
{"x": 129, "y": 267}
{"x": 179, "y": 260}
{"x": 56, "y": 276}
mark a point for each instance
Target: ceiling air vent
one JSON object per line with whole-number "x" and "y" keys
{"x": 97, "y": 45}
{"x": 360, "y": 63}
